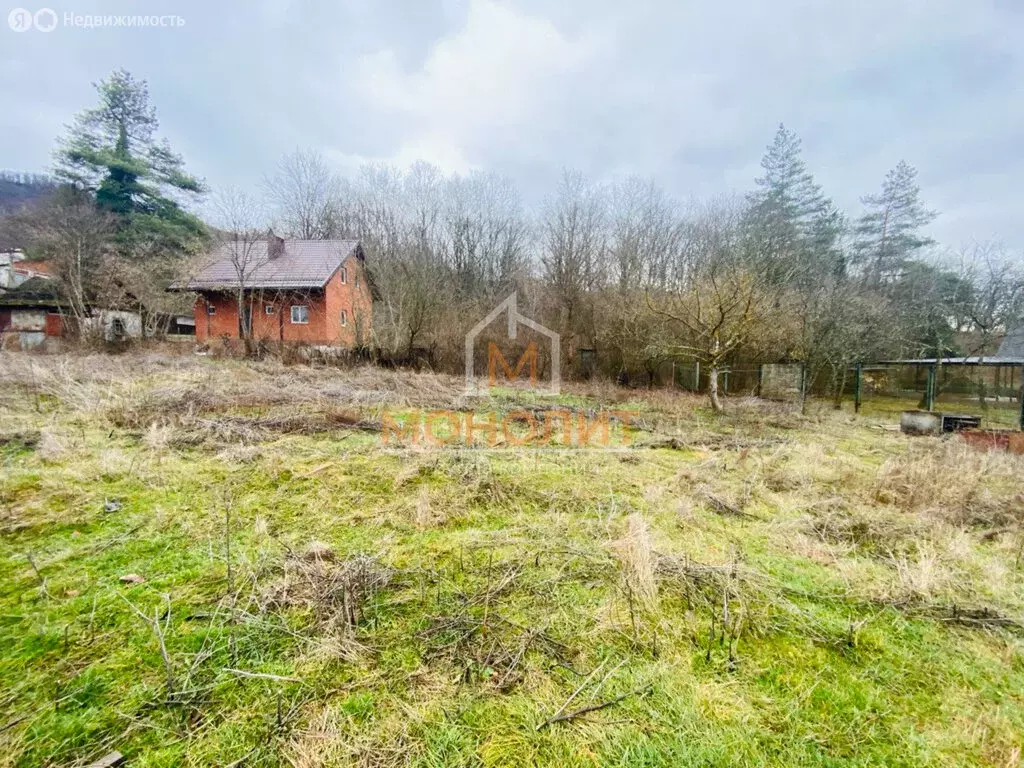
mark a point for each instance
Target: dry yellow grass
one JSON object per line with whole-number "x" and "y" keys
{"x": 794, "y": 590}
{"x": 636, "y": 552}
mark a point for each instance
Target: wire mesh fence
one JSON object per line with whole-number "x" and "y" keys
{"x": 739, "y": 381}
{"x": 769, "y": 380}
{"x": 991, "y": 391}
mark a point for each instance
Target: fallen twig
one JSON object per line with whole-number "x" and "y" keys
{"x": 13, "y": 723}
{"x": 154, "y": 624}
{"x": 263, "y": 676}
{"x": 573, "y": 696}
{"x": 721, "y": 506}
{"x": 592, "y": 708}
{"x": 35, "y": 569}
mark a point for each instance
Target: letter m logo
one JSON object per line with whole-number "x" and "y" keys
{"x": 494, "y": 357}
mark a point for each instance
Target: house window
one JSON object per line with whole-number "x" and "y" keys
{"x": 344, "y": 317}
{"x": 268, "y": 309}
{"x": 211, "y": 309}
{"x": 300, "y": 314}
{"x": 344, "y": 274}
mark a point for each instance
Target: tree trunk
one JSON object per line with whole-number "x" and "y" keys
{"x": 840, "y": 387}
{"x": 803, "y": 388}
{"x": 244, "y": 330}
{"x": 716, "y": 403}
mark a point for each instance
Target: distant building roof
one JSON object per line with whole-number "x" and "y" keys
{"x": 33, "y": 268}
{"x": 302, "y": 264}
{"x": 34, "y": 292}
{"x": 1013, "y": 344}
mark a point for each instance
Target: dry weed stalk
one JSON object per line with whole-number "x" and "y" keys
{"x": 923, "y": 575}
{"x": 424, "y": 517}
{"x": 51, "y": 448}
{"x": 636, "y": 552}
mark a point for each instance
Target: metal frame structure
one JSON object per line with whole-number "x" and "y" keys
{"x": 934, "y": 364}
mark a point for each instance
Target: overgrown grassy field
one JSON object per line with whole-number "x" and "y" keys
{"x": 218, "y": 563}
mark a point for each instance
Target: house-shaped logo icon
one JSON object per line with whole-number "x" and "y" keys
{"x": 495, "y": 357}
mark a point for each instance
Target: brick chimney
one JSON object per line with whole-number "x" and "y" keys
{"x": 275, "y": 246}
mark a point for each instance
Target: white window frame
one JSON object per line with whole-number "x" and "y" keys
{"x": 344, "y": 275}
{"x": 268, "y": 309}
{"x": 344, "y": 318}
{"x": 211, "y": 309}
{"x": 300, "y": 306}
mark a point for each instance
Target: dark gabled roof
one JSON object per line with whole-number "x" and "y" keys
{"x": 34, "y": 292}
{"x": 1013, "y": 344}
{"x": 304, "y": 264}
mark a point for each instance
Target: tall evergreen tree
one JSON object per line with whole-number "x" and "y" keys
{"x": 112, "y": 152}
{"x": 790, "y": 225}
{"x": 888, "y": 234}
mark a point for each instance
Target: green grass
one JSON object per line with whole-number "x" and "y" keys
{"x": 507, "y": 579}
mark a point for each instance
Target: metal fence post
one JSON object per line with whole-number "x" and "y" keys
{"x": 856, "y": 387}
{"x": 725, "y": 381}
{"x": 1020, "y": 398}
{"x": 760, "y": 378}
{"x": 696, "y": 376}
{"x": 929, "y": 393}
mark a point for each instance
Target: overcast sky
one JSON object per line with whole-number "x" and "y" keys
{"x": 687, "y": 91}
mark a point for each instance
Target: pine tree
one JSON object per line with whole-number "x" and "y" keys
{"x": 111, "y": 152}
{"x": 792, "y": 228}
{"x": 888, "y": 234}
{"x": 787, "y": 190}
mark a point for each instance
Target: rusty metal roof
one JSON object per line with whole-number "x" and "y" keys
{"x": 304, "y": 264}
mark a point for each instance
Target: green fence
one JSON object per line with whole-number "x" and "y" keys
{"x": 738, "y": 381}
{"x": 991, "y": 391}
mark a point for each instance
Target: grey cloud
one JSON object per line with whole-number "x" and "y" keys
{"x": 687, "y": 92}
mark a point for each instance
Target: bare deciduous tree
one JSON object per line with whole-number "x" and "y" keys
{"x": 484, "y": 234}
{"x": 78, "y": 241}
{"x": 573, "y": 243}
{"x": 306, "y": 196}
{"x": 996, "y": 303}
{"x": 722, "y": 305}
{"x": 398, "y": 217}
{"x": 240, "y": 223}
{"x": 646, "y": 234}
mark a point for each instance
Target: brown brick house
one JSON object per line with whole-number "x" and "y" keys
{"x": 312, "y": 291}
